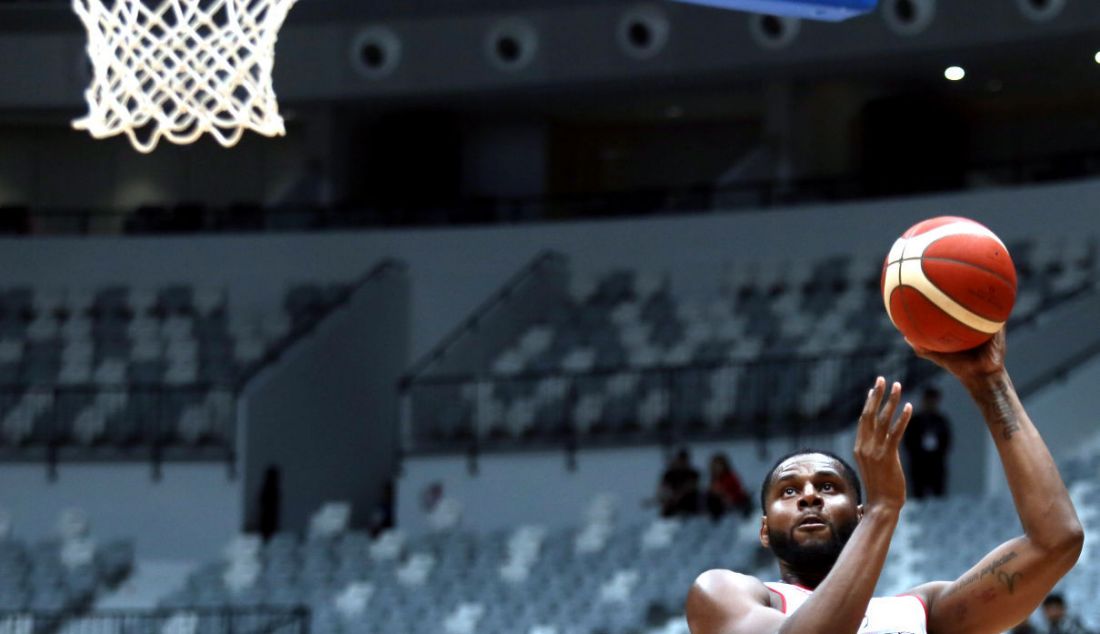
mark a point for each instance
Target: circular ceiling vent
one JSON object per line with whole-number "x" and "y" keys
{"x": 643, "y": 31}
{"x": 774, "y": 32}
{"x": 1041, "y": 10}
{"x": 376, "y": 52}
{"x": 512, "y": 44}
{"x": 909, "y": 17}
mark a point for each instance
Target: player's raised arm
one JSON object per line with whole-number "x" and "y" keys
{"x": 1010, "y": 582}
{"x": 809, "y": 499}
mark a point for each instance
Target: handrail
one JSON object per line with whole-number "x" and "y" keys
{"x": 239, "y": 620}
{"x": 160, "y": 612}
{"x": 273, "y": 354}
{"x": 458, "y": 379}
{"x": 494, "y": 300}
{"x": 834, "y": 406}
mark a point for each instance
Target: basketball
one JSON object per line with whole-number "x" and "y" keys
{"x": 948, "y": 284}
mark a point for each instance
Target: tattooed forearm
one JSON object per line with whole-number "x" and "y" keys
{"x": 963, "y": 583}
{"x": 997, "y": 408}
{"x": 993, "y": 568}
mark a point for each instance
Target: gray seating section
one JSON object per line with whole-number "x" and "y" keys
{"x": 115, "y": 365}
{"x": 563, "y": 588}
{"x": 568, "y": 590}
{"x": 783, "y": 340}
{"x": 33, "y": 577}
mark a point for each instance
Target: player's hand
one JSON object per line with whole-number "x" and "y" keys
{"x": 968, "y": 365}
{"x": 877, "y": 440}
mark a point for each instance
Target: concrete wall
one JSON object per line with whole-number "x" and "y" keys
{"x": 1066, "y": 412}
{"x": 189, "y": 514}
{"x": 327, "y": 413}
{"x": 1066, "y": 343}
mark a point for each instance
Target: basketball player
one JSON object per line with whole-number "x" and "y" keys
{"x": 831, "y": 541}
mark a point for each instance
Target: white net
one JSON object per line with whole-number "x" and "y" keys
{"x": 176, "y": 69}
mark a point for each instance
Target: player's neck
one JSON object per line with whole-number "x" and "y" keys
{"x": 809, "y": 579}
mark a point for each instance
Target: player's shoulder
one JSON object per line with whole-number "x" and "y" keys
{"x": 720, "y": 597}
{"x": 720, "y": 587}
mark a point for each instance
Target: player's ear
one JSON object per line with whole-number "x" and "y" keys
{"x": 764, "y": 532}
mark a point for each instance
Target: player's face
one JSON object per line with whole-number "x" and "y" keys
{"x": 811, "y": 511}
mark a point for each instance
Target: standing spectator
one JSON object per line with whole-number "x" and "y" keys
{"x": 271, "y": 495}
{"x": 725, "y": 492}
{"x": 1057, "y": 621}
{"x": 678, "y": 492}
{"x": 381, "y": 517}
{"x": 928, "y": 442}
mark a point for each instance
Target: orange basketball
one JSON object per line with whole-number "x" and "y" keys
{"x": 949, "y": 284}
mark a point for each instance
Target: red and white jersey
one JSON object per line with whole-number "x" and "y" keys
{"x": 903, "y": 614}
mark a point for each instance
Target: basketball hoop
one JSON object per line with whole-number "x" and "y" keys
{"x": 180, "y": 68}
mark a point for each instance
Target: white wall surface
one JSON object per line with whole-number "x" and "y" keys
{"x": 189, "y": 514}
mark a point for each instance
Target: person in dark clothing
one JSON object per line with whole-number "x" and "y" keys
{"x": 1024, "y": 628}
{"x": 1057, "y": 621}
{"x": 678, "y": 492}
{"x": 927, "y": 444}
{"x": 270, "y": 500}
{"x": 725, "y": 492}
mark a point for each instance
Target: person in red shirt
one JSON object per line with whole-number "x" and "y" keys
{"x": 725, "y": 493}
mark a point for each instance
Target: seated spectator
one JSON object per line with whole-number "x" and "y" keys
{"x": 1057, "y": 620}
{"x": 678, "y": 491}
{"x": 725, "y": 492}
{"x": 1025, "y": 627}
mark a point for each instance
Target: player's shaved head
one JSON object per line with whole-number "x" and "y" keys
{"x": 845, "y": 469}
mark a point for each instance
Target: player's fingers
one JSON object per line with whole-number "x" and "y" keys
{"x": 900, "y": 425}
{"x": 867, "y": 417}
{"x": 874, "y": 397}
{"x": 891, "y": 406}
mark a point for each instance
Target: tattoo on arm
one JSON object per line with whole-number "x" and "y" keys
{"x": 997, "y": 409}
{"x": 1008, "y": 578}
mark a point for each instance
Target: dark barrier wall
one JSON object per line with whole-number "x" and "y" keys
{"x": 326, "y": 415}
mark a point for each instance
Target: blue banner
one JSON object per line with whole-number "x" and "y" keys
{"x": 830, "y": 10}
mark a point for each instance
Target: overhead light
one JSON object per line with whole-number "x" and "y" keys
{"x": 954, "y": 73}
{"x": 1097, "y": 57}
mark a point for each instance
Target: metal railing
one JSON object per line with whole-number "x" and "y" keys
{"x": 758, "y": 399}
{"x": 292, "y": 620}
{"x": 81, "y": 423}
